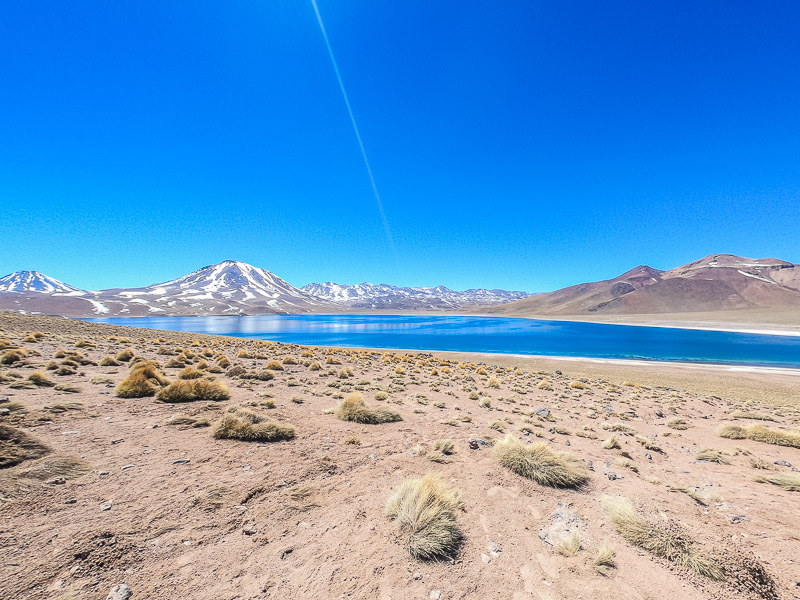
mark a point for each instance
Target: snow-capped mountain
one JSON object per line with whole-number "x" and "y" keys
{"x": 32, "y": 281}
{"x": 228, "y": 288}
{"x": 385, "y": 296}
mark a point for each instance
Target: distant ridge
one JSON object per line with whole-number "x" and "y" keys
{"x": 719, "y": 282}
{"x": 228, "y": 288}
{"x": 385, "y": 297}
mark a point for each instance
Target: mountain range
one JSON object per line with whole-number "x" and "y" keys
{"x": 719, "y": 282}
{"x": 229, "y": 288}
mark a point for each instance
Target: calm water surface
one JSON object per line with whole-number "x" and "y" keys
{"x": 494, "y": 334}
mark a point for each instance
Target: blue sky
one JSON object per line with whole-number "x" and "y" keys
{"x": 522, "y": 145}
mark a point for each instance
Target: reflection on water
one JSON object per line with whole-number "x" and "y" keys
{"x": 493, "y": 334}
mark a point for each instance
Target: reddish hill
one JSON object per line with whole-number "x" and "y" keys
{"x": 715, "y": 283}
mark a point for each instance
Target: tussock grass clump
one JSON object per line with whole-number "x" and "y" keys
{"x": 425, "y": 510}
{"x": 187, "y": 421}
{"x": 144, "y": 380}
{"x": 63, "y": 407}
{"x": 542, "y": 464}
{"x": 17, "y": 446}
{"x": 39, "y": 379}
{"x": 493, "y": 382}
{"x": 570, "y": 545}
{"x": 191, "y": 390}
{"x": 661, "y": 540}
{"x": 679, "y": 424}
{"x": 764, "y": 465}
{"x": 125, "y": 355}
{"x": 759, "y": 433}
{"x": 746, "y": 414}
{"x": 605, "y": 559}
{"x": 648, "y": 443}
{"x": 274, "y": 365}
{"x": 353, "y": 408}
{"x": 240, "y": 423}
{"x": 788, "y": 481}
{"x": 109, "y": 361}
{"x": 381, "y": 396}
{"x": 441, "y": 451}
{"x": 711, "y": 455}
{"x": 11, "y": 356}
{"x": 611, "y": 443}
{"x": 190, "y": 373}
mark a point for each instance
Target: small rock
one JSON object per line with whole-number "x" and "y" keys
{"x": 126, "y": 467}
{"x": 106, "y": 505}
{"x": 783, "y": 463}
{"x": 181, "y": 461}
{"x": 543, "y": 412}
{"x": 734, "y": 519}
{"x": 71, "y": 501}
{"x": 57, "y": 481}
{"x": 120, "y": 592}
{"x": 559, "y": 373}
{"x": 435, "y": 595}
{"x": 102, "y": 473}
{"x": 249, "y": 530}
{"x": 119, "y": 441}
{"x": 473, "y": 445}
{"x": 417, "y": 576}
{"x": 494, "y": 549}
{"x": 4, "y": 412}
{"x": 485, "y": 558}
{"x": 648, "y": 456}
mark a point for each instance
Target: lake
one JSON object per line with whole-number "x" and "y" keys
{"x": 494, "y": 334}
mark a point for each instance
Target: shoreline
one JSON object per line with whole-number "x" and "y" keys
{"x": 753, "y": 328}
{"x": 732, "y": 367}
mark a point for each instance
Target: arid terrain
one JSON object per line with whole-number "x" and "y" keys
{"x": 551, "y": 478}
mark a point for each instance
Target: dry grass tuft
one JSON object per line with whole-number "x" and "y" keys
{"x": 17, "y": 446}
{"x": 425, "y": 510}
{"x": 188, "y": 421}
{"x": 441, "y": 451}
{"x": 788, "y": 481}
{"x": 353, "y": 408}
{"x": 190, "y": 373}
{"x": 662, "y": 540}
{"x": 211, "y": 498}
{"x": 679, "y": 424}
{"x": 611, "y": 443}
{"x": 143, "y": 380}
{"x": 240, "y": 423}
{"x": 109, "y": 361}
{"x": 714, "y": 456}
{"x": 570, "y": 545}
{"x": 125, "y": 355}
{"x": 746, "y": 414}
{"x": 759, "y": 433}
{"x": 191, "y": 390}
{"x": 605, "y": 559}
{"x": 542, "y": 464}
{"x": 39, "y": 379}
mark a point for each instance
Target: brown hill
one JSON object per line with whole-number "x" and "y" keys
{"x": 720, "y": 282}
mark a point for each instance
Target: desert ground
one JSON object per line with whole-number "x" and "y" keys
{"x": 207, "y": 467}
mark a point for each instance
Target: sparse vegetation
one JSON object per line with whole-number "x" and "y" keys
{"x": 190, "y": 390}
{"x": 539, "y": 462}
{"x": 759, "y": 433}
{"x": 240, "y": 423}
{"x": 353, "y": 408}
{"x": 661, "y": 540}
{"x": 605, "y": 559}
{"x": 144, "y": 380}
{"x": 570, "y": 545}
{"x": 788, "y": 481}
{"x": 17, "y": 446}
{"x": 425, "y": 510}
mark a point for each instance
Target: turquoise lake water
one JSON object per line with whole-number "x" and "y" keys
{"x": 494, "y": 334}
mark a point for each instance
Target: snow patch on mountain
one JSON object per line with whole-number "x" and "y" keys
{"x": 24, "y": 282}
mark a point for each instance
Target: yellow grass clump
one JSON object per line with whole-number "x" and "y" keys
{"x": 662, "y": 540}
{"x": 759, "y": 433}
{"x": 190, "y": 373}
{"x": 425, "y": 511}
{"x": 40, "y": 379}
{"x": 353, "y": 408}
{"x": 143, "y": 380}
{"x": 240, "y": 423}
{"x": 190, "y": 390}
{"x": 788, "y": 481}
{"x": 109, "y": 361}
{"x": 125, "y": 355}
{"x": 542, "y": 464}
{"x": 605, "y": 559}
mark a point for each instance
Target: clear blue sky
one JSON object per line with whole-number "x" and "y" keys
{"x": 519, "y": 144}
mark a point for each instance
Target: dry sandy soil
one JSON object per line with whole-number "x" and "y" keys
{"x": 175, "y": 513}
